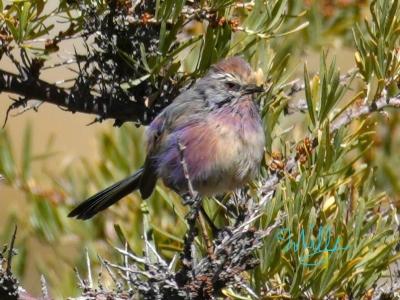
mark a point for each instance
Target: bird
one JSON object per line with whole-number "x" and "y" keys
{"x": 217, "y": 121}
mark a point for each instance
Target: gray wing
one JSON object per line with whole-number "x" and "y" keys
{"x": 186, "y": 107}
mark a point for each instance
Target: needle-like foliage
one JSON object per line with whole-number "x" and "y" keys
{"x": 321, "y": 220}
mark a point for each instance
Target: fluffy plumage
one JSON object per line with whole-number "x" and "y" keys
{"x": 218, "y": 123}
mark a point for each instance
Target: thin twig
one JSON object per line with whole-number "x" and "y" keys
{"x": 355, "y": 113}
{"x": 186, "y": 256}
{"x": 110, "y": 272}
{"x": 11, "y": 251}
{"x": 125, "y": 262}
{"x": 60, "y": 64}
{"x": 182, "y": 148}
{"x": 89, "y": 269}
{"x": 131, "y": 256}
{"x": 81, "y": 283}
{"x": 45, "y": 291}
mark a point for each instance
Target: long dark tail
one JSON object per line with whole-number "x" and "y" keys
{"x": 107, "y": 197}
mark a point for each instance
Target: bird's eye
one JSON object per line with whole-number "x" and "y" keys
{"x": 233, "y": 86}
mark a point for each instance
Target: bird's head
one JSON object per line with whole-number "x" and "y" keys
{"x": 229, "y": 80}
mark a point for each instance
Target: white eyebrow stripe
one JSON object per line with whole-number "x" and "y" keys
{"x": 231, "y": 77}
{"x": 225, "y": 76}
{"x": 219, "y": 75}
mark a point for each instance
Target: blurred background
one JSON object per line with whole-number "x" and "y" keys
{"x": 60, "y": 160}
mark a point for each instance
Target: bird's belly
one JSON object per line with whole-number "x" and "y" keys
{"x": 220, "y": 156}
{"x": 235, "y": 161}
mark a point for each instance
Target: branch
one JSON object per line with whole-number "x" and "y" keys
{"x": 9, "y": 285}
{"x": 74, "y": 101}
{"x": 355, "y": 113}
{"x": 185, "y": 275}
{"x": 342, "y": 120}
{"x": 232, "y": 255}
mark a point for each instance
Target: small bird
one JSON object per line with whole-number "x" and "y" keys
{"x": 218, "y": 124}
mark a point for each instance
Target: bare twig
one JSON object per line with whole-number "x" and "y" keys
{"x": 126, "y": 264}
{"x": 9, "y": 285}
{"x": 81, "y": 283}
{"x": 89, "y": 270}
{"x": 11, "y": 251}
{"x": 45, "y": 291}
{"x": 357, "y": 112}
{"x": 60, "y": 64}
{"x": 109, "y": 271}
{"x": 132, "y": 256}
{"x": 182, "y": 148}
{"x": 184, "y": 275}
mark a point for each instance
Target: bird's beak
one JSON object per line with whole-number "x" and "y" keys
{"x": 252, "y": 88}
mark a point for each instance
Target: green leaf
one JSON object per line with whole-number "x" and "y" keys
{"x": 39, "y": 6}
{"x": 134, "y": 82}
{"x": 13, "y": 30}
{"x": 7, "y": 163}
{"x": 24, "y": 18}
{"x": 310, "y": 105}
{"x": 27, "y": 152}
{"x": 120, "y": 234}
{"x": 294, "y": 30}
